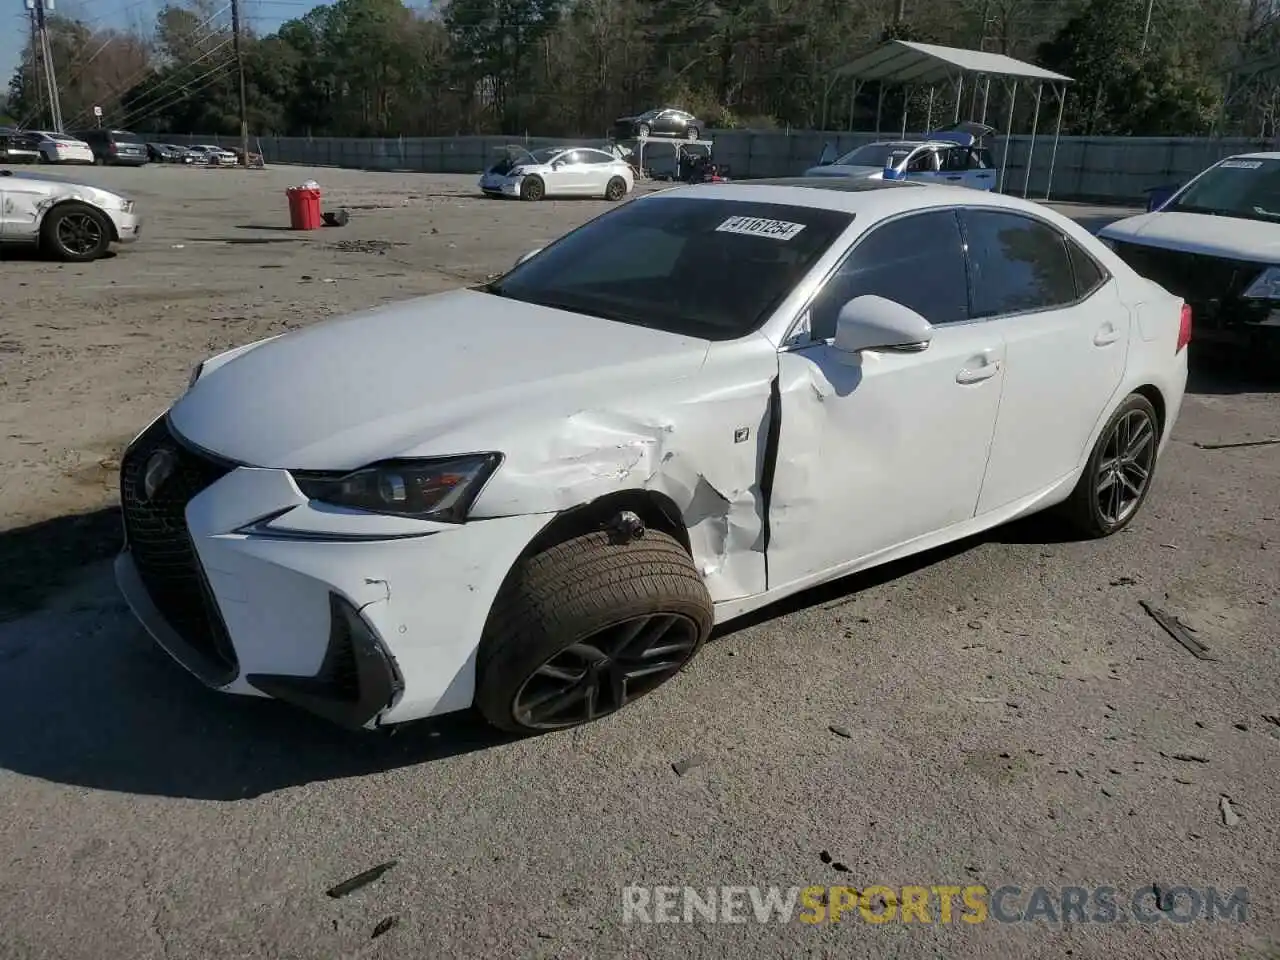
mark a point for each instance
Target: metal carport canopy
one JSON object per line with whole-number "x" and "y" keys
{"x": 910, "y": 64}
{"x": 926, "y": 64}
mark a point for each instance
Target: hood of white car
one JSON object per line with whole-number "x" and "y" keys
{"x": 842, "y": 170}
{"x": 453, "y": 373}
{"x": 51, "y": 186}
{"x": 1232, "y": 237}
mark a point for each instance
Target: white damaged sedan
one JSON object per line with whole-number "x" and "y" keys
{"x": 67, "y": 220}
{"x": 538, "y": 496}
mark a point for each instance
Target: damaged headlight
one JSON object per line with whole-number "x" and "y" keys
{"x": 1266, "y": 287}
{"x": 438, "y": 489}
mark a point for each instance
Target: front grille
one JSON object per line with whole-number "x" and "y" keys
{"x": 1213, "y": 286}
{"x": 157, "y": 537}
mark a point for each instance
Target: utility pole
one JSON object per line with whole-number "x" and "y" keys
{"x": 899, "y": 11}
{"x": 36, "y": 51}
{"x": 1146, "y": 29}
{"x": 38, "y": 9}
{"x": 244, "y": 102}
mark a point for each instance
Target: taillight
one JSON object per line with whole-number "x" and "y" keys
{"x": 1184, "y": 328}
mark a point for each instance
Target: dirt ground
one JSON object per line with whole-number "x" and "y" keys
{"x": 1000, "y": 712}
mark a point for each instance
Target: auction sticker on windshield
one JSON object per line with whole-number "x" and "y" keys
{"x": 1241, "y": 164}
{"x": 761, "y": 227}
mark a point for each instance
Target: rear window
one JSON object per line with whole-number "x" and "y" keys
{"x": 700, "y": 267}
{"x": 124, "y": 136}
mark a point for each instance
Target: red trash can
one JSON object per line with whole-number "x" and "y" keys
{"x": 304, "y": 208}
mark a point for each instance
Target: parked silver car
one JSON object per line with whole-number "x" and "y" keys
{"x": 67, "y": 220}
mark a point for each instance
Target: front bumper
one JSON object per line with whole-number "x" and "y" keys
{"x": 365, "y": 620}
{"x": 128, "y": 226}
{"x": 501, "y": 186}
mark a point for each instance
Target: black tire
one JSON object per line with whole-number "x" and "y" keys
{"x": 692, "y": 133}
{"x": 643, "y": 131}
{"x": 75, "y": 232}
{"x": 532, "y": 189}
{"x": 593, "y": 593}
{"x": 615, "y": 189}
{"x": 1085, "y": 510}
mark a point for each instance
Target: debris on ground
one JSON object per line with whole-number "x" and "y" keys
{"x": 379, "y": 247}
{"x": 1178, "y": 630}
{"x": 1186, "y": 757}
{"x": 840, "y": 731}
{"x": 336, "y": 218}
{"x": 1230, "y": 445}
{"x": 360, "y": 880}
{"x": 681, "y": 767}
{"x": 383, "y": 926}
{"x": 1229, "y": 817}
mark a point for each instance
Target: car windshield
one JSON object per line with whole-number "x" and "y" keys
{"x": 1247, "y": 188}
{"x": 704, "y": 267}
{"x": 872, "y": 155}
{"x": 545, "y": 155}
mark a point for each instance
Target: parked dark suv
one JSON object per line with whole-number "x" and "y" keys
{"x": 117, "y": 147}
{"x": 17, "y": 147}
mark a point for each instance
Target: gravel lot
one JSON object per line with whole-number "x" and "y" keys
{"x": 1007, "y": 712}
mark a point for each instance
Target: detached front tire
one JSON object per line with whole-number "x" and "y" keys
{"x": 586, "y": 627}
{"x": 1118, "y": 476}
{"x": 75, "y": 232}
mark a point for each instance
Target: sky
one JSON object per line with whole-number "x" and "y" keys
{"x": 262, "y": 16}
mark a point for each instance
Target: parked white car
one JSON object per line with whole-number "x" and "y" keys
{"x": 559, "y": 172}
{"x": 538, "y": 496}
{"x": 211, "y": 153}
{"x": 956, "y": 156}
{"x": 69, "y": 221}
{"x": 61, "y": 148}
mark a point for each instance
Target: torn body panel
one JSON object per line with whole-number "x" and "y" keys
{"x": 701, "y": 442}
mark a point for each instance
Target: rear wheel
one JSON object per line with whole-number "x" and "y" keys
{"x": 532, "y": 188}
{"x": 1118, "y": 476}
{"x": 616, "y": 189}
{"x": 75, "y": 232}
{"x": 586, "y": 627}
{"x": 692, "y": 133}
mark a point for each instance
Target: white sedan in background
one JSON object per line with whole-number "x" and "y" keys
{"x": 559, "y": 172}
{"x": 212, "y": 154}
{"x": 61, "y": 148}
{"x": 538, "y": 496}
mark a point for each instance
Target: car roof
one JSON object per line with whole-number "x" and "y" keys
{"x": 1270, "y": 155}
{"x": 874, "y": 199}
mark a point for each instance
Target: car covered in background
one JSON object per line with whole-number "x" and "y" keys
{"x": 119, "y": 148}
{"x": 68, "y": 221}
{"x": 956, "y": 156}
{"x": 1216, "y": 243}
{"x": 61, "y": 148}
{"x": 660, "y": 122}
{"x": 17, "y": 146}
{"x": 168, "y": 153}
{"x": 558, "y": 172}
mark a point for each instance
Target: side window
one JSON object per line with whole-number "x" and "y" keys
{"x": 569, "y": 158}
{"x": 955, "y": 160}
{"x": 917, "y": 261}
{"x": 1018, "y": 264}
{"x": 1089, "y": 276}
{"x": 923, "y": 162}
{"x": 594, "y": 156}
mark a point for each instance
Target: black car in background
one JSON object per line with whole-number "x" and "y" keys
{"x": 660, "y": 122}
{"x": 17, "y": 147}
{"x": 167, "y": 153}
{"x": 115, "y": 147}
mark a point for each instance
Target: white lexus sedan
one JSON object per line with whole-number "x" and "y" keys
{"x": 62, "y": 148}
{"x": 539, "y": 495}
{"x": 559, "y": 172}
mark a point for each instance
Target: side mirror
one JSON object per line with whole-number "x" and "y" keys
{"x": 828, "y": 155}
{"x": 527, "y": 256}
{"x": 874, "y": 323}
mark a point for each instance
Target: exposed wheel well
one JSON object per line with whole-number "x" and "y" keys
{"x": 655, "y": 509}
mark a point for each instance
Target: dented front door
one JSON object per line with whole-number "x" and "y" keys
{"x": 20, "y": 202}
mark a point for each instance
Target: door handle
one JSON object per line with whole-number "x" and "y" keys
{"x": 979, "y": 373}
{"x": 1107, "y": 335}
{"x": 955, "y": 177}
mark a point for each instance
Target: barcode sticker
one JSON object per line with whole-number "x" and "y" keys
{"x": 760, "y": 227}
{"x": 1240, "y": 164}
